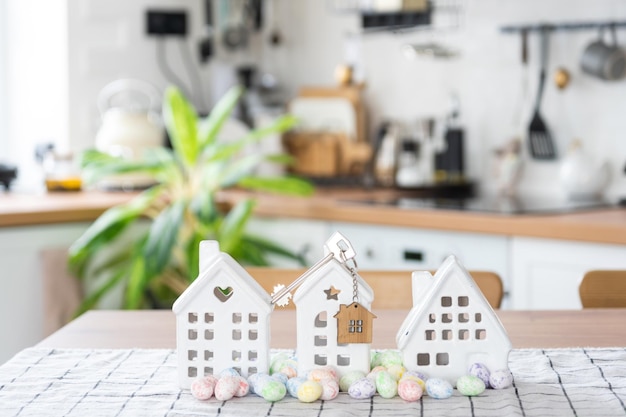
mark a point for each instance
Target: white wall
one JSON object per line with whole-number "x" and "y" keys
{"x": 106, "y": 41}
{"x": 488, "y": 77}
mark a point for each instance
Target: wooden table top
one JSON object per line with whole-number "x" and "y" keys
{"x": 526, "y": 329}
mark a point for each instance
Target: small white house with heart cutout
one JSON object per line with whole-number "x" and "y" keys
{"x": 451, "y": 325}
{"x": 323, "y": 302}
{"x": 222, "y": 319}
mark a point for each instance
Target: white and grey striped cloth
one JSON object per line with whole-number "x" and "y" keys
{"x": 140, "y": 382}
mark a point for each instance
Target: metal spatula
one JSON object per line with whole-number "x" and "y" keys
{"x": 539, "y": 139}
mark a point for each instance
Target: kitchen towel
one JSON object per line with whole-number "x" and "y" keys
{"x": 140, "y": 382}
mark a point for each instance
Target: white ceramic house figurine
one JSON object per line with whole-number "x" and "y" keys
{"x": 451, "y": 326}
{"x": 222, "y": 319}
{"x": 333, "y": 326}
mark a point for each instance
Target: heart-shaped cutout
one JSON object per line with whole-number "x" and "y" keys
{"x": 223, "y": 294}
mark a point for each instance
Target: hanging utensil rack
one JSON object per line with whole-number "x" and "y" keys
{"x": 563, "y": 26}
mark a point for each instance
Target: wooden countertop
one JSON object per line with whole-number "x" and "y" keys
{"x": 600, "y": 226}
{"x": 118, "y": 329}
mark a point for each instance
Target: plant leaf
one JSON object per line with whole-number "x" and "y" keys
{"x": 181, "y": 121}
{"x": 211, "y": 125}
{"x": 266, "y": 246}
{"x": 97, "y": 165}
{"x": 239, "y": 169}
{"x": 162, "y": 237}
{"x": 137, "y": 283}
{"x": 107, "y": 227}
{"x": 232, "y": 228}
{"x": 92, "y": 300}
{"x": 281, "y": 185}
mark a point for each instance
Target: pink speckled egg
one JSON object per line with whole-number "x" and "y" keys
{"x": 226, "y": 387}
{"x": 330, "y": 389}
{"x": 244, "y": 387}
{"x": 410, "y": 390}
{"x": 202, "y": 388}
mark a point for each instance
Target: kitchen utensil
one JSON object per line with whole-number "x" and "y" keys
{"x": 604, "y": 61}
{"x": 561, "y": 78}
{"x": 540, "y": 140}
{"x": 235, "y": 33}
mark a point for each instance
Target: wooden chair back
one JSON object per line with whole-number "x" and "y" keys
{"x": 603, "y": 289}
{"x": 392, "y": 289}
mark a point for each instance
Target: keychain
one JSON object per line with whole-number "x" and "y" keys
{"x": 354, "y": 321}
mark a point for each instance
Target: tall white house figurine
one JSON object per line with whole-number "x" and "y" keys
{"x": 222, "y": 319}
{"x": 451, "y": 325}
{"x": 334, "y": 322}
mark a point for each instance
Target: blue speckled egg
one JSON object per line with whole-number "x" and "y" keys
{"x": 481, "y": 371}
{"x": 362, "y": 389}
{"x": 438, "y": 388}
{"x": 293, "y": 384}
{"x": 501, "y": 379}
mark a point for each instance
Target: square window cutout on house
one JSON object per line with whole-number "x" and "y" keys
{"x": 236, "y": 334}
{"x": 209, "y": 318}
{"x": 192, "y": 355}
{"x": 446, "y": 301}
{"x": 252, "y": 355}
{"x": 481, "y": 334}
{"x": 430, "y": 335}
{"x": 464, "y": 334}
{"x": 192, "y": 372}
{"x": 463, "y": 318}
{"x": 208, "y": 371}
{"x": 463, "y": 301}
{"x": 423, "y": 359}
{"x": 343, "y": 360}
{"x": 320, "y": 359}
{"x": 253, "y": 335}
{"x": 320, "y": 319}
{"x": 321, "y": 340}
{"x": 192, "y": 334}
{"x": 236, "y": 355}
{"x": 236, "y": 318}
{"x": 443, "y": 359}
{"x": 446, "y": 334}
{"x": 253, "y": 318}
{"x": 208, "y": 355}
{"x": 192, "y": 318}
{"x": 432, "y": 317}
{"x": 446, "y": 318}
{"x": 208, "y": 334}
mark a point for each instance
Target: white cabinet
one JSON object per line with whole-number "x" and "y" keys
{"x": 546, "y": 273}
{"x": 305, "y": 237}
{"x": 21, "y": 280}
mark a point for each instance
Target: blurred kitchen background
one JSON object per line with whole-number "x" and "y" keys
{"x": 456, "y": 61}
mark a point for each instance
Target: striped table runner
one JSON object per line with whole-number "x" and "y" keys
{"x": 142, "y": 382}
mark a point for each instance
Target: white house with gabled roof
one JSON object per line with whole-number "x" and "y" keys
{"x": 318, "y": 301}
{"x": 451, "y": 325}
{"x": 222, "y": 319}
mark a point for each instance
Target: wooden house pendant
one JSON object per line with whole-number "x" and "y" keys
{"x": 354, "y": 324}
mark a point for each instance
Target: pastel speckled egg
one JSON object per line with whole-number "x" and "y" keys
{"x": 330, "y": 389}
{"x": 374, "y": 371}
{"x": 500, "y": 379}
{"x": 288, "y": 370}
{"x": 319, "y": 374}
{"x": 470, "y": 385}
{"x": 396, "y": 371}
{"x": 256, "y": 382}
{"x": 273, "y": 391}
{"x": 293, "y": 384}
{"x": 309, "y": 391}
{"x": 414, "y": 378}
{"x": 410, "y": 390}
{"x": 417, "y": 374}
{"x": 244, "y": 387}
{"x": 226, "y": 387}
{"x": 438, "y": 388}
{"x": 202, "y": 388}
{"x": 349, "y": 378}
{"x": 362, "y": 389}
{"x": 390, "y": 357}
{"x": 280, "y": 377}
{"x": 386, "y": 385}
{"x": 481, "y": 371}
{"x": 229, "y": 372}
{"x": 375, "y": 360}
{"x": 277, "y": 362}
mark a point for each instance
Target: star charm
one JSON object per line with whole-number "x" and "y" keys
{"x": 331, "y": 293}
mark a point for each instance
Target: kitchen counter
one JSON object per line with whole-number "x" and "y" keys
{"x": 333, "y": 204}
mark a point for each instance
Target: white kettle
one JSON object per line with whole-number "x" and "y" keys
{"x": 582, "y": 176}
{"x": 130, "y": 126}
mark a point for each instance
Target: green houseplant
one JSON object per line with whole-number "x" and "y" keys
{"x": 156, "y": 262}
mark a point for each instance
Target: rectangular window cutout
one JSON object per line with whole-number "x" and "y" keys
{"x": 481, "y": 334}
{"x": 252, "y": 355}
{"x": 252, "y": 370}
{"x": 359, "y": 329}
{"x": 236, "y": 368}
{"x": 320, "y": 360}
{"x": 423, "y": 359}
{"x": 343, "y": 360}
{"x": 446, "y": 318}
{"x": 464, "y": 334}
{"x": 236, "y": 334}
{"x": 359, "y": 322}
{"x": 208, "y": 334}
{"x": 236, "y": 317}
{"x": 236, "y": 355}
{"x": 208, "y": 355}
{"x": 253, "y": 335}
{"x": 253, "y": 318}
{"x": 209, "y": 318}
{"x": 446, "y": 301}
{"x": 192, "y": 355}
{"x": 463, "y": 301}
{"x": 192, "y": 317}
{"x": 478, "y": 317}
{"x": 432, "y": 317}
{"x": 431, "y": 335}
{"x": 321, "y": 340}
{"x": 463, "y": 318}
{"x": 443, "y": 359}
{"x": 446, "y": 334}
{"x": 208, "y": 370}
{"x": 320, "y": 319}
{"x": 351, "y": 323}
{"x": 192, "y": 334}
{"x": 192, "y": 372}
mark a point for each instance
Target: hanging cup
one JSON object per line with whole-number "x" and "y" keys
{"x": 603, "y": 60}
